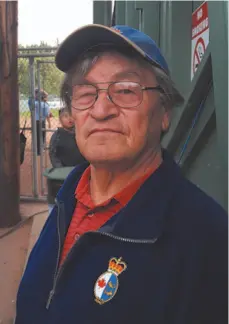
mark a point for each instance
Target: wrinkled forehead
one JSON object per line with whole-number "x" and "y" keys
{"x": 120, "y": 58}
{"x": 113, "y": 65}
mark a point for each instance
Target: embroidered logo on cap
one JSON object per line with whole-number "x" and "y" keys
{"x": 106, "y": 285}
{"x": 117, "y": 30}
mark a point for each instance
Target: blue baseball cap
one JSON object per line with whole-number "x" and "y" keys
{"x": 89, "y": 36}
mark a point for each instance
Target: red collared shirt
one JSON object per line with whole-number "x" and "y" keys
{"x": 90, "y": 217}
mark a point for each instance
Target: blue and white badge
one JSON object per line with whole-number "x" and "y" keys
{"x": 106, "y": 285}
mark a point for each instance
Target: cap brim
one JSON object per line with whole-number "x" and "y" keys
{"x": 87, "y": 37}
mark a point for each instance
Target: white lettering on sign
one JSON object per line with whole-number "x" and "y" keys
{"x": 203, "y": 25}
{"x": 199, "y": 14}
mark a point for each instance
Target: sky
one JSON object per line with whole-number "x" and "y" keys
{"x": 49, "y": 20}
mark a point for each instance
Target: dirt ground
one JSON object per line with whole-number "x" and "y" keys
{"x": 13, "y": 252}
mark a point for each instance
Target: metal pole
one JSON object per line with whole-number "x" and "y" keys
{"x": 33, "y": 199}
{"x": 45, "y": 154}
{"x": 36, "y": 55}
{"x": 48, "y": 49}
{"x": 43, "y": 157}
{"x": 47, "y": 61}
{"x": 34, "y": 126}
{"x": 40, "y": 130}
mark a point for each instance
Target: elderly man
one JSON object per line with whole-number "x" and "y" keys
{"x": 129, "y": 240}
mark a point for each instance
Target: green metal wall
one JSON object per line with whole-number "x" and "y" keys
{"x": 198, "y": 136}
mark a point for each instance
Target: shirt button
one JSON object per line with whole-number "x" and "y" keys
{"x": 91, "y": 215}
{"x": 77, "y": 237}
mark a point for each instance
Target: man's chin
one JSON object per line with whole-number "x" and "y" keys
{"x": 103, "y": 160}
{"x": 103, "y": 157}
{"x": 104, "y": 151}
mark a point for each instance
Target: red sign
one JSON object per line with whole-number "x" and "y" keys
{"x": 200, "y": 20}
{"x": 200, "y": 35}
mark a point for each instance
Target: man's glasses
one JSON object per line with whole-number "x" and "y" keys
{"x": 124, "y": 94}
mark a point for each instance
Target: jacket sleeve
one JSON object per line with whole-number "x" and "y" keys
{"x": 56, "y": 162}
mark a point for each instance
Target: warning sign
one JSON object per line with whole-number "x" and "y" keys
{"x": 200, "y": 36}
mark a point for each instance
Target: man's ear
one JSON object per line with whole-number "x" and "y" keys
{"x": 166, "y": 119}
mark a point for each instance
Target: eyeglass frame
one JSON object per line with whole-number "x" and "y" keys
{"x": 143, "y": 88}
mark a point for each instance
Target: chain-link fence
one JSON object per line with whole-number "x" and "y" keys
{"x": 37, "y": 71}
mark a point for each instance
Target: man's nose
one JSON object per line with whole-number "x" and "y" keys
{"x": 103, "y": 107}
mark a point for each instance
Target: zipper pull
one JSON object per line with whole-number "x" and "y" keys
{"x": 51, "y": 294}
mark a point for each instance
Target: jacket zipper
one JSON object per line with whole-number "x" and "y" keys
{"x": 58, "y": 272}
{"x": 52, "y": 292}
{"x": 127, "y": 240}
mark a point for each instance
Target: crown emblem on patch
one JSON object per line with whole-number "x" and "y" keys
{"x": 116, "y": 266}
{"x": 107, "y": 284}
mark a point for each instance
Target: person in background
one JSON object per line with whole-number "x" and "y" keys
{"x": 36, "y": 92}
{"x": 63, "y": 150}
{"x": 45, "y": 115}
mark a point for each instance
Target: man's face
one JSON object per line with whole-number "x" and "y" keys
{"x": 109, "y": 134}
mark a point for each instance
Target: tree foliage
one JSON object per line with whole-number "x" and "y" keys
{"x": 50, "y": 76}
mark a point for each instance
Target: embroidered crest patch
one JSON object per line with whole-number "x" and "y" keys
{"x": 106, "y": 285}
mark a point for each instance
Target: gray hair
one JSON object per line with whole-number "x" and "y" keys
{"x": 170, "y": 96}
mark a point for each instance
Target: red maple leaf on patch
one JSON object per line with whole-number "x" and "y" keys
{"x": 101, "y": 283}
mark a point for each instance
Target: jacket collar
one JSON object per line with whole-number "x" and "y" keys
{"x": 66, "y": 194}
{"x": 144, "y": 216}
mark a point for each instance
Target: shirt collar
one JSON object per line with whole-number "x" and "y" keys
{"x": 82, "y": 192}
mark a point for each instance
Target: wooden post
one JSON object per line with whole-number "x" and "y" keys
{"x": 9, "y": 116}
